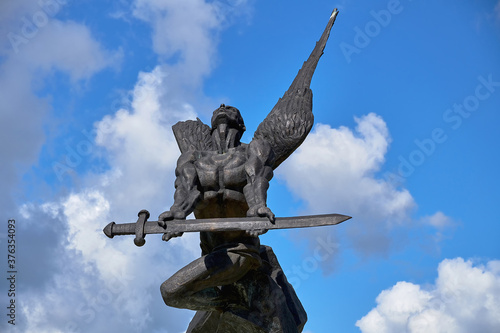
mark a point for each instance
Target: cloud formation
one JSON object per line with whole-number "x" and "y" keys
{"x": 188, "y": 30}
{"x": 23, "y": 70}
{"x": 140, "y": 147}
{"x": 98, "y": 279}
{"x": 464, "y": 298}
{"x": 114, "y": 279}
{"x": 335, "y": 170}
{"x": 96, "y": 284}
{"x": 337, "y": 167}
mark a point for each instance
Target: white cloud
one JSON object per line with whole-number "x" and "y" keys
{"x": 334, "y": 171}
{"x": 50, "y": 50}
{"x": 113, "y": 278}
{"x": 189, "y": 30}
{"x": 12, "y": 15}
{"x": 465, "y": 298}
{"x": 336, "y": 168}
{"x": 101, "y": 283}
{"x": 140, "y": 146}
{"x": 98, "y": 278}
{"x": 438, "y": 220}
{"x": 66, "y": 47}
{"x": 441, "y": 228}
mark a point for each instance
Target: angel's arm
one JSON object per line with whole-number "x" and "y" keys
{"x": 259, "y": 172}
{"x": 190, "y": 135}
{"x": 186, "y": 194}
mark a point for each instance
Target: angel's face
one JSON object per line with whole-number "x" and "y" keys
{"x": 228, "y": 115}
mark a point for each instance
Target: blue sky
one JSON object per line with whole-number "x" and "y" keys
{"x": 406, "y": 104}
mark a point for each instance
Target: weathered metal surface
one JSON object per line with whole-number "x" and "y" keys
{"x": 236, "y": 285}
{"x": 222, "y": 224}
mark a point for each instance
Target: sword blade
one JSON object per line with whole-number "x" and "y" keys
{"x": 227, "y": 224}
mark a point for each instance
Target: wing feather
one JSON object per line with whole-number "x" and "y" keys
{"x": 192, "y": 135}
{"x": 291, "y": 119}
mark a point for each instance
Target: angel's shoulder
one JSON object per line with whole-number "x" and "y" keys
{"x": 260, "y": 148}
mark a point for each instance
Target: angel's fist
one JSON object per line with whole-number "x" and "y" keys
{"x": 170, "y": 215}
{"x": 256, "y": 232}
{"x": 266, "y": 212}
{"x": 168, "y": 235}
{"x": 262, "y": 211}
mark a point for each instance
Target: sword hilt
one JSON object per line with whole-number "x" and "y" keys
{"x": 113, "y": 229}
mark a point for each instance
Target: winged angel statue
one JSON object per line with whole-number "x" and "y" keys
{"x": 237, "y": 285}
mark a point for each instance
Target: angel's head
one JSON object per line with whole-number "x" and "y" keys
{"x": 230, "y": 116}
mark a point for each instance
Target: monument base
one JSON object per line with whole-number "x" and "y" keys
{"x": 268, "y": 304}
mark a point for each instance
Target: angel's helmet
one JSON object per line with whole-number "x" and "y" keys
{"x": 228, "y": 115}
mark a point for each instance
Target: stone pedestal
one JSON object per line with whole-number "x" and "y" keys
{"x": 268, "y": 304}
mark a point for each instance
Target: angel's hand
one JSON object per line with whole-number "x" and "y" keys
{"x": 170, "y": 215}
{"x": 256, "y": 232}
{"x": 165, "y": 216}
{"x": 266, "y": 212}
{"x": 169, "y": 235}
{"x": 262, "y": 211}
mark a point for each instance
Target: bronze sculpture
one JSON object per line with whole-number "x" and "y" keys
{"x": 237, "y": 285}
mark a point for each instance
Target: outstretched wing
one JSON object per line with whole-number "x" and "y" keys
{"x": 291, "y": 119}
{"x": 192, "y": 135}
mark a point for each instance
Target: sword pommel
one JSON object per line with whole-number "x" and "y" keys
{"x": 108, "y": 230}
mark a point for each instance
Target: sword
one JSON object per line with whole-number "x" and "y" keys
{"x": 142, "y": 227}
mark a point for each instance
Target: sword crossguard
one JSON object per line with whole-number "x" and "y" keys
{"x": 139, "y": 228}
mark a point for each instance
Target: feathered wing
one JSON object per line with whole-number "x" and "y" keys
{"x": 193, "y": 135}
{"x": 291, "y": 119}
